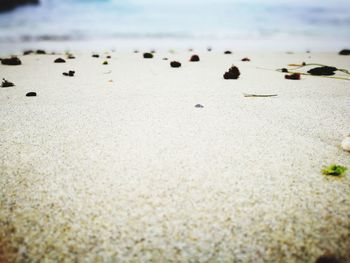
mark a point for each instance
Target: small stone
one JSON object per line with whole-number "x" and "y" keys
{"x": 284, "y": 70}
{"x": 40, "y": 52}
{"x": 27, "y": 52}
{"x": 59, "y": 60}
{"x": 175, "y": 64}
{"x": 344, "y": 52}
{"x": 194, "y": 58}
{"x": 147, "y": 55}
{"x": 65, "y": 74}
{"x": 95, "y": 55}
{"x": 108, "y": 57}
{"x": 232, "y": 73}
{"x": 346, "y": 144}
{"x": 245, "y": 59}
{"x": 327, "y": 259}
{"x": 6, "y": 84}
{"x": 323, "y": 71}
{"x": 199, "y": 106}
{"x": 294, "y": 76}
{"x": 136, "y": 51}
{"x": 71, "y": 56}
{"x": 153, "y": 51}
{"x": 105, "y": 62}
{"x": 209, "y": 49}
{"x": 228, "y": 52}
{"x": 165, "y": 58}
{"x": 31, "y": 94}
{"x": 13, "y": 61}
{"x": 69, "y": 74}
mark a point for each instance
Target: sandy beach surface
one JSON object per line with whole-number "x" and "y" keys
{"x": 117, "y": 164}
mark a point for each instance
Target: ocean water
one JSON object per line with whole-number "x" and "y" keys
{"x": 179, "y": 19}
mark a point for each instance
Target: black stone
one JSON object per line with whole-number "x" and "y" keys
{"x": 69, "y": 74}
{"x": 175, "y": 64}
{"x": 31, "y": 94}
{"x": 199, "y": 106}
{"x": 294, "y": 76}
{"x": 232, "y": 73}
{"x": 71, "y": 57}
{"x": 323, "y": 71}
{"x": 41, "y": 52}
{"x": 147, "y": 55}
{"x": 194, "y": 58}
{"x": 284, "y": 70}
{"x": 60, "y": 60}
{"x": 245, "y": 59}
{"x": 28, "y": 52}
{"x": 13, "y": 61}
{"x": 165, "y": 58}
{"x": 344, "y": 52}
{"x": 95, "y": 55}
{"x": 6, "y": 84}
{"x": 8, "y": 5}
{"x": 227, "y": 52}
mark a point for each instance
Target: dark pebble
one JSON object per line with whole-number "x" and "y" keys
{"x": 294, "y": 76}
{"x": 199, "y": 106}
{"x": 147, "y": 55}
{"x": 105, "y": 62}
{"x": 232, "y": 73}
{"x": 6, "y": 84}
{"x": 13, "y": 61}
{"x": 153, "y": 51}
{"x": 108, "y": 57}
{"x": 165, "y": 58}
{"x": 327, "y": 259}
{"x": 28, "y": 52}
{"x": 31, "y": 94}
{"x": 227, "y": 52}
{"x": 209, "y": 49}
{"x": 322, "y": 71}
{"x": 175, "y": 64}
{"x": 69, "y": 74}
{"x": 284, "y": 70}
{"x": 95, "y": 55}
{"x": 41, "y": 52}
{"x": 71, "y": 57}
{"x": 59, "y": 60}
{"x": 344, "y": 52}
{"x": 136, "y": 51}
{"x": 194, "y": 58}
{"x": 245, "y": 59}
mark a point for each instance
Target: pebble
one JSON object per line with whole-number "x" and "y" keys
{"x": 31, "y": 94}
{"x": 27, "y": 52}
{"x": 232, "y": 73}
{"x": 41, "y": 52}
{"x": 59, "y": 60}
{"x": 322, "y": 71}
{"x": 194, "y": 58}
{"x": 344, "y": 52}
{"x": 175, "y": 64}
{"x": 199, "y": 106}
{"x": 147, "y": 55}
{"x": 69, "y": 74}
{"x": 294, "y": 76}
{"x": 13, "y": 61}
{"x": 95, "y": 55}
{"x": 105, "y": 62}
{"x": 228, "y": 52}
{"x": 245, "y": 59}
{"x": 345, "y": 144}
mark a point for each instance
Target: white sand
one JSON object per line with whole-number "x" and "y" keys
{"x": 130, "y": 170}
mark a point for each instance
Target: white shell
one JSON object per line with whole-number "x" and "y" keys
{"x": 346, "y": 144}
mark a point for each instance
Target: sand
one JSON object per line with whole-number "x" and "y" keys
{"x": 117, "y": 163}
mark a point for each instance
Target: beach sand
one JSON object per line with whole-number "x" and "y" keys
{"x": 117, "y": 164}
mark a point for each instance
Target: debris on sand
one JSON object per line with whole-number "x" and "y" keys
{"x": 194, "y": 58}
{"x": 95, "y": 55}
{"x": 294, "y": 76}
{"x": 40, "y": 52}
{"x": 245, "y": 59}
{"x": 228, "y": 52}
{"x": 12, "y": 61}
{"x": 27, "y": 52}
{"x": 323, "y": 71}
{"x": 175, "y": 64}
{"x": 105, "y": 62}
{"x": 346, "y": 144}
{"x": 31, "y": 94}
{"x": 147, "y": 55}
{"x": 334, "y": 170}
{"x": 247, "y": 95}
{"x": 232, "y": 73}
{"x": 327, "y": 259}
{"x": 199, "y": 106}
{"x": 344, "y": 52}
{"x": 69, "y": 73}
{"x": 59, "y": 60}
{"x": 6, "y": 84}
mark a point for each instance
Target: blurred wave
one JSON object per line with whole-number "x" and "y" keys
{"x": 215, "y": 19}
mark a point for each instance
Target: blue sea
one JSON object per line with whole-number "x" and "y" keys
{"x": 177, "y": 19}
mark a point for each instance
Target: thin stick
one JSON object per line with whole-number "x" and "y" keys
{"x": 259, "y": 96}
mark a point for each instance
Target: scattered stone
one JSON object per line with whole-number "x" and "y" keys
{"x": 194, "y": 58}
{"x": 227, "y": 52}
{"x": 40, "y": 52}
{"x": 165, "y": 58}
{"x": 346, "y": 143}
{"x": 344, "y": 52}
{"x": 108, "y": 57}
{"x": 153, "y": 51}
{"x": 70, "y": 56}
{"x": 245, "y": 59}
{"x": 69, "y": 73}
{"x": 190, "y": 50}
{"x": 199, "y": 106}
{"x": 232, "y": 73}
{"x": 31, "y": 94}
{"x": 6, "y": 84}
{"x": 147, "y": 55}
{"x": 59, "y": 60}
{"x": 293, "y": 76}
{"x": 284, "y": 70}
{"x": 323, "y": 71}
{"x": 105, "y": 62}
{"x": 27, "y": 52}
{"x": 13, "y": 61}
{"x": 136, "y": 51}
{"x": 95, "y": 55}
{"x": 209, "y": 49}
{"x": 175, "y": 64}
{"x": 327, "y": 259}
